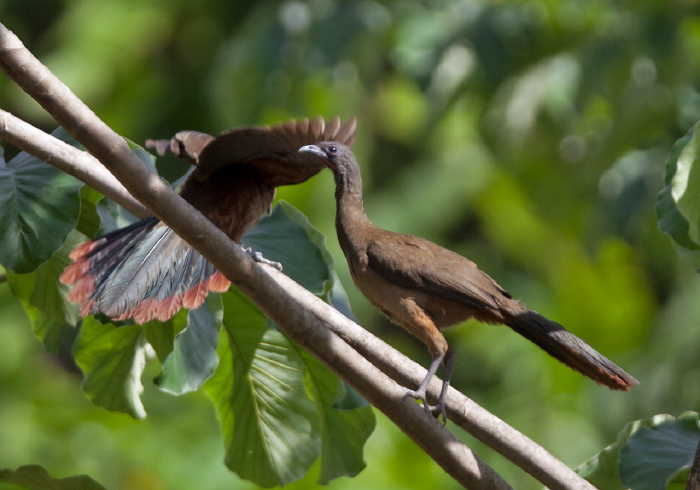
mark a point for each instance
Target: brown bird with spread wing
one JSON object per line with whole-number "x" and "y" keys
{"x": 146, "y": 271}
{"x": 424, "y": 287}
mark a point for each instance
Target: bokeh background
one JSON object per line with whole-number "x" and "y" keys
{"x": 529, "y": 136}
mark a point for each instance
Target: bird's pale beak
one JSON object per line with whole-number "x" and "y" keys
{"x": 315, "y": 150}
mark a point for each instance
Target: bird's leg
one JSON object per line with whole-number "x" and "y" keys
{"x": 420, "y": 394}
{"x": 449, "y": 364}
{"x": 258, "y": 257}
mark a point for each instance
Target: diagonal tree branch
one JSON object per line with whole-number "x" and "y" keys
{"x": 344, "y": 348}
{"x": 461, "y": 410}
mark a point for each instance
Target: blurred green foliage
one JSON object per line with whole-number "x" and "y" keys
{"x": 529, "y": 136}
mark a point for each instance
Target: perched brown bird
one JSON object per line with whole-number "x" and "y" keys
{"x": 146, "y": 271}
{"x": 424, "y": 287}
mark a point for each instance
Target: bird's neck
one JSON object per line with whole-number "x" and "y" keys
{"x": 351, "y": 219}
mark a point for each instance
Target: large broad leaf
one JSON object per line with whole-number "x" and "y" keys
{"x": 194, "y": 359}
{"x": 649, "y": 454}
{"x": 161, "y": 335}
{"x": 678, "y": 205}
{"x": 343, "y": 417}
{"x": 36, "y": 477}
{"x": 266, "y": 416}
{"x": 113, "y": 359}
{"x": 658, "y": 449}
{"x": 346, "y": 422}
{"x": 89, "y": 221}
{"x": 286, "y": 236}
{"x": 44, "y": 298}
{"x": 261, "y": 390}
{"x": 41, "y": 294}
{"x": 113, "y": 356}
{"x": 39, "y": 207}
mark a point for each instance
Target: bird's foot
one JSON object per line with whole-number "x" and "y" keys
{"x": 439, "y": 409}
{"x": 434, "y": 410}
{"x": 258, "y": 257}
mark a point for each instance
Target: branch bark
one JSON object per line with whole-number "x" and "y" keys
{"x": 350, "y": 351}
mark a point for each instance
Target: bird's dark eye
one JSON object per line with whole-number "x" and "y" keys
{"x": 332, "y": 150}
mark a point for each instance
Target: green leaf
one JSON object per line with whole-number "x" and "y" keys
{"x": 345, "y": 417}
{"x": 89, "y": 222}
{"x": 44, "y": 298}
{"x": 678, "y": 204}
{"x": 266, "y": 416}
{"x": 161, "y": 335}
{"x": 286, "y": 236}
{"x": 648, "y": 454}
{"x": 113, "y": 216}
{"x": 35, "y": 477}
{"x": 42, "y": 295}
{"x": 266, "y": 401}
{"x": 39, "y": 207}
{"x": 602, "y": 469}
{"x": 344, "y": 430}
{"x": 679, "y": 480}
{"x": 113, "y": 359}
{"x": 658, "y": 449}
{"x": 194, "y": 358}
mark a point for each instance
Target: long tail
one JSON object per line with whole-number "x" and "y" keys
{"x": 144, "y": 271}
{"x": 570, "y": 350}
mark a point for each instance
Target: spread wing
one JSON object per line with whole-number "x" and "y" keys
{"x": 273, "y": 151}
{"x": 419, "y": 264}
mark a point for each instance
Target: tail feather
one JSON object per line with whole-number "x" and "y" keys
{"x": 570, "y": 350}
{"x": 144, "y": 271}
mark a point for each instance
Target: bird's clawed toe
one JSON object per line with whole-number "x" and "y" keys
{"x": 258, "y": 257}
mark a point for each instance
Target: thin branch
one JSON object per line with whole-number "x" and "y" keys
{"x": 297, "y": 311}
{"x": 65, "y": 157}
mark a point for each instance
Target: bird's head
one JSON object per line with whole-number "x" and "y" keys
{"x": 332, "y": 153}
{"x": 341, "y": 161}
